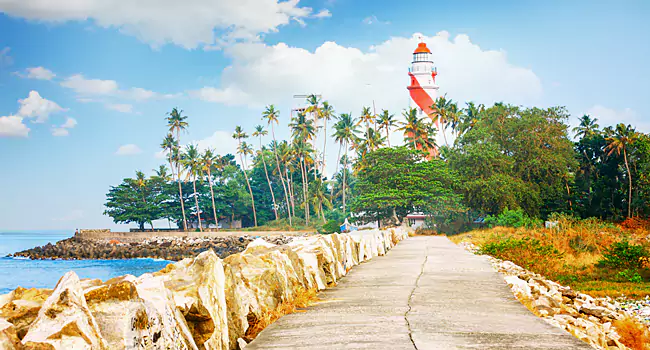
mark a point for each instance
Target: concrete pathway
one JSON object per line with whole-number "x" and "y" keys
{"x": 427, "y": 293}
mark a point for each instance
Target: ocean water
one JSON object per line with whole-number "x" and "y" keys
{"x": 27, "y": 273}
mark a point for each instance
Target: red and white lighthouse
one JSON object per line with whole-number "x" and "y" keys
{"x": 423, "y": 88}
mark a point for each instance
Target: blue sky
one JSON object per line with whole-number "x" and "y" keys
{"x": 90, "y": 78}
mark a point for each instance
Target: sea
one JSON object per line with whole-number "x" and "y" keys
{"x": 28, "y": 273}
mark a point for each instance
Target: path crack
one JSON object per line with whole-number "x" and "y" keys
{"x": 417, "y": 282}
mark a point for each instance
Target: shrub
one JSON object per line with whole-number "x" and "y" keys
{"x": 630, "y": 276}
{"x": 623, "y": 255}
{"x": 512, "y": 218}
{"x": 331, "y": 226}
{"x": 528, "y": 252}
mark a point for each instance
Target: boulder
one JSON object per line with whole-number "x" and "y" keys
{"x": 596, "y": 311}
{"x": 21, "y": 306}
{"x": 64, "y": 321}
{"x": 519, "y": 287}
{"x": 8, "y": 337}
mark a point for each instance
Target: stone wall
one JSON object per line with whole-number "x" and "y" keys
{"x": 139, "y": 236}
{"x": 198, "y": 303}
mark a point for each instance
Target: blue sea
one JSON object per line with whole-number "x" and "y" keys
{"x": 27, "y": 273}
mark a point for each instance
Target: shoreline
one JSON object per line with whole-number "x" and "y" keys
{"x": 165, "y": 247}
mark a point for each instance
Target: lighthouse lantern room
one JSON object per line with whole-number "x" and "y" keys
{"x": 423, "y": 88}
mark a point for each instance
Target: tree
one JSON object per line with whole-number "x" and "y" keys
{"x": 259, "y": 132}
{"x": 327, "y": 113}
{"x": 386, "y": 121}
{"x": 345, "y": 133}
{"x": 618, "y": 142}
{"x": 192, "y": 162}
{"x": 366, "y": 117}
{"x": 134, "y": 200}
{"x": 244, "y": 150}
{"x": 209, "y": 161}
{"x": 271, "y": 115}
{"x": 396, "y": 181}
{"x": 588, "y": 127}
{"x": 176, "y": 122}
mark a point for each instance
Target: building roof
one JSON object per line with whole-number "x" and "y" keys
{"x": 422, "y": 48}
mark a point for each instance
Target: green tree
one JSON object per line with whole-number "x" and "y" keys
{"x": 396, "y": 181}
{"x": 618, "y": 142}
{"x": 176, "y": 122}
{"x": 386, "y": 121}
{"x": 209, "y": 161}
{"x": 259, "y": 132}
{"x": 345, "y": 133}
{"x": 271, "y": 115}
{"x": 244, "y": 150}
{"x": 134, "y": 200}
{"x": 191, "y": 160}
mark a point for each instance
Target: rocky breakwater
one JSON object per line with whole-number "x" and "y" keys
{"x": 587, "y": 318}
{"x": 197, "y": 303}
{"x": 168, "y": 248}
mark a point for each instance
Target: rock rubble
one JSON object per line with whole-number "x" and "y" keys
{"x": 588, "y": 319}
{"x": 197, "y": 303}
{"x": 168, "y": 248}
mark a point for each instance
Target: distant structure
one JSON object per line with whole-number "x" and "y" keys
{"x": 423, "y": 88}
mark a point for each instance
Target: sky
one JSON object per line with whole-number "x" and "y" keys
{"x": 85, "y": 84}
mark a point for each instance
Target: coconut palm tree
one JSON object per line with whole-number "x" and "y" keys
{"x": 619, "y": 141}
{"x": 259, "y": 132}
{"x": 472, "y": 113}
{"x": 370, "y": 141}
{"x": 588, "y": 127}
{"x": 413, "y": 127}
{"x": 244, "y": 150}
{"x": 285, "y": 154}
{"x": 302, "y": 149}
{"x": 386, "y": 121}
{"x": 327, "y": 113}
{"x": 192, "y": 161}
{"x": 177, "y": 122}
{"x": 209, "y": 161}
{"x": 366, "y": 117}
{"x": 346, "y": 130}
{"x": 442, "y": 111}
{"x": 271, "y": 116}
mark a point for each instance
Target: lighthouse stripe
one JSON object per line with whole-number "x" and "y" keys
{"x": 421, "y": 98}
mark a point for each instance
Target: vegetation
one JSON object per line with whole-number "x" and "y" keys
{"x": 509, "y": 165}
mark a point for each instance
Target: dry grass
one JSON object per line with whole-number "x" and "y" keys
{"x": 303, "y": 299}
{"x": 580, "y": 246}
{"x": 633, "y": 334}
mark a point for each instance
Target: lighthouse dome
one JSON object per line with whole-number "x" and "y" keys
{"x": 422, "y": 48}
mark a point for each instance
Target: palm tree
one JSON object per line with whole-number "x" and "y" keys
{"x": 302, "y": 149}
{"x": 619, "y": 141}
{"x": 192, "y": 162}
{"x": 244, "y": 150}
{"x": 386, "y": 121}
{"x": 441, "y": 114}
{"x": 588, "y": 127}
{"x": 271, "y": 115}
{"x": 285, "y": 154}
{"x": 366, "y": 117}
{"x": 472, "y": 113}
{"x": 346, "y": 130}
{"x": 176, "y": 122}
{"x": 259, "y": 132}
{"x": 327, "y": 113}
{"x": 370, "y": 141}
{"x": 209, "y": 161}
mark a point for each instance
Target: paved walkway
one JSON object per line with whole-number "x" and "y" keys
{"x": 427, "y": 293}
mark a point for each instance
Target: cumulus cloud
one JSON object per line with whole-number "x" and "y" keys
{"x": 324, "y": 13}
{"x": 39, "y": 73}
{"x": 350, "y": 78}
{"x": 610, "y": 117}
{"x": 63, "y": 129}
{"x": 128, "y": 150}
{"x": 120, "y": 107}
{"x": 13, "y": 126}
{"x": 83, "y": 86}
{"x": 5, "y": 59}
{"x": 190, "y": 23}
{"x": 35, "y": 106}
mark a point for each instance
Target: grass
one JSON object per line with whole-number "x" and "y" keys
{"x": 303, "y": 299}
{"x": 570, "y": 254}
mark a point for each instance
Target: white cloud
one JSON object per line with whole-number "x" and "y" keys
{"x": 83, "y": 86}
{"x": 351, "y": 78}
{"x": 128, "y": 150}
{"x": 5, "y": 59}
{"x": 324, "y": 13}
{"x": 12, "y": 126}
{"x": 39, "y": 73}
{"x": 120, "y": 107}
{"x": 190, "y": 23}
{"x": 229, "y": 95}
{"x": 373, "y": 20}
{"x": 610, "y": 117}
{"x": 63, "y": 129}
{"x": 221, "y": 142}
{"x": 35, "y": 106}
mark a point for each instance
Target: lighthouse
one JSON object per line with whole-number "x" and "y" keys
{"x": 423, "y": 88}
